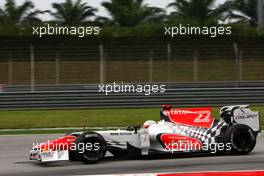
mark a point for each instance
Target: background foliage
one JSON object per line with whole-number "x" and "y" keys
{"x": 132, "y": 17}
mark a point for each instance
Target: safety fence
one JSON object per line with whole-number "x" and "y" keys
{"x": 40, "y": 65}
{"x": 88, "y": 96}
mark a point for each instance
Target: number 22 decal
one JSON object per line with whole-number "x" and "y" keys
{"x": 203, "y": 116}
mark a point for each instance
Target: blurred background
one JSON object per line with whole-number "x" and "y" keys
{"x": 132, "y": 46}
{"x": 63, "y": 71}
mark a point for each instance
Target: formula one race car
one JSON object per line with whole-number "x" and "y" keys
{"x": 179, "y": 130}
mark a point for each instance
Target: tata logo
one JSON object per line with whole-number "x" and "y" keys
{"x": 177, "y": 112}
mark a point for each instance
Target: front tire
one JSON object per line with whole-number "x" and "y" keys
{"x": 241, "y": 139}
{"x": 93, "y": 147}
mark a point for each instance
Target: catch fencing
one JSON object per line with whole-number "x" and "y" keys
{"x": 58, "y": 65}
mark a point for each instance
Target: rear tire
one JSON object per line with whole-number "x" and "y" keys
{"x": 94, "y": 147}
{"x": 241, "y": 139}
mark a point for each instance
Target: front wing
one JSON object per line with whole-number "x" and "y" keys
{"x": 49, "y": 155}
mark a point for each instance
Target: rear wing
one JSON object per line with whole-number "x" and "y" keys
{"x": 241, "y": 114}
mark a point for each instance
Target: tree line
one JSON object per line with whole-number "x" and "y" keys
{"x": 130, "y": 14}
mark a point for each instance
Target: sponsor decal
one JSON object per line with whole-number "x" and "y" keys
{"x": 246, "y": 116}
{"x": 116, "y": 134}
{"x": 191, "y": 116}
{"x": 180, "y": 143}
{"x": 47, "y": 154}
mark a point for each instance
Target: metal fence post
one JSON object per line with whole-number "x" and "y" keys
{"x": 102, "y": 67}
{"x": 32, "y": 68}
{"x": 169, "y": 62}
{"x": 260, "y": 11}
{"x": 150, "y": 67}
{"x": 10, "y": 69}
{"x": 241, "y": 66}
{"x": 195, "y": 66}
{"x": 57, "y": 65}
{"x": 236, "y": 51}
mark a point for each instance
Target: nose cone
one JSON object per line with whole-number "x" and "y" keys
{"x": 62, "y": 143}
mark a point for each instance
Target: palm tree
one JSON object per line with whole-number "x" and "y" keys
{"x": 130, "y": 13}
{"x": 199, "y": 10}
{"x": 70, "y": 13}
{"x": 244, "y": 11}
{"x": 13, "y": 14}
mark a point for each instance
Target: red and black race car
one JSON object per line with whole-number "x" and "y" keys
{"x": 179, "y": 130}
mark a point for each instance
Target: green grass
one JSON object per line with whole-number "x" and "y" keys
{"x": 33, "y": 132}
{"x": 40, "y": 131}
{"x": 75, "y": 118}
{"x": 89, "y": 118}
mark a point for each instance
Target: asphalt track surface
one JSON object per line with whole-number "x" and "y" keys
{"x": 14, "y": 161}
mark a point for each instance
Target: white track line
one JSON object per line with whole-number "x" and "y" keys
{"x": 192, "y": 172}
